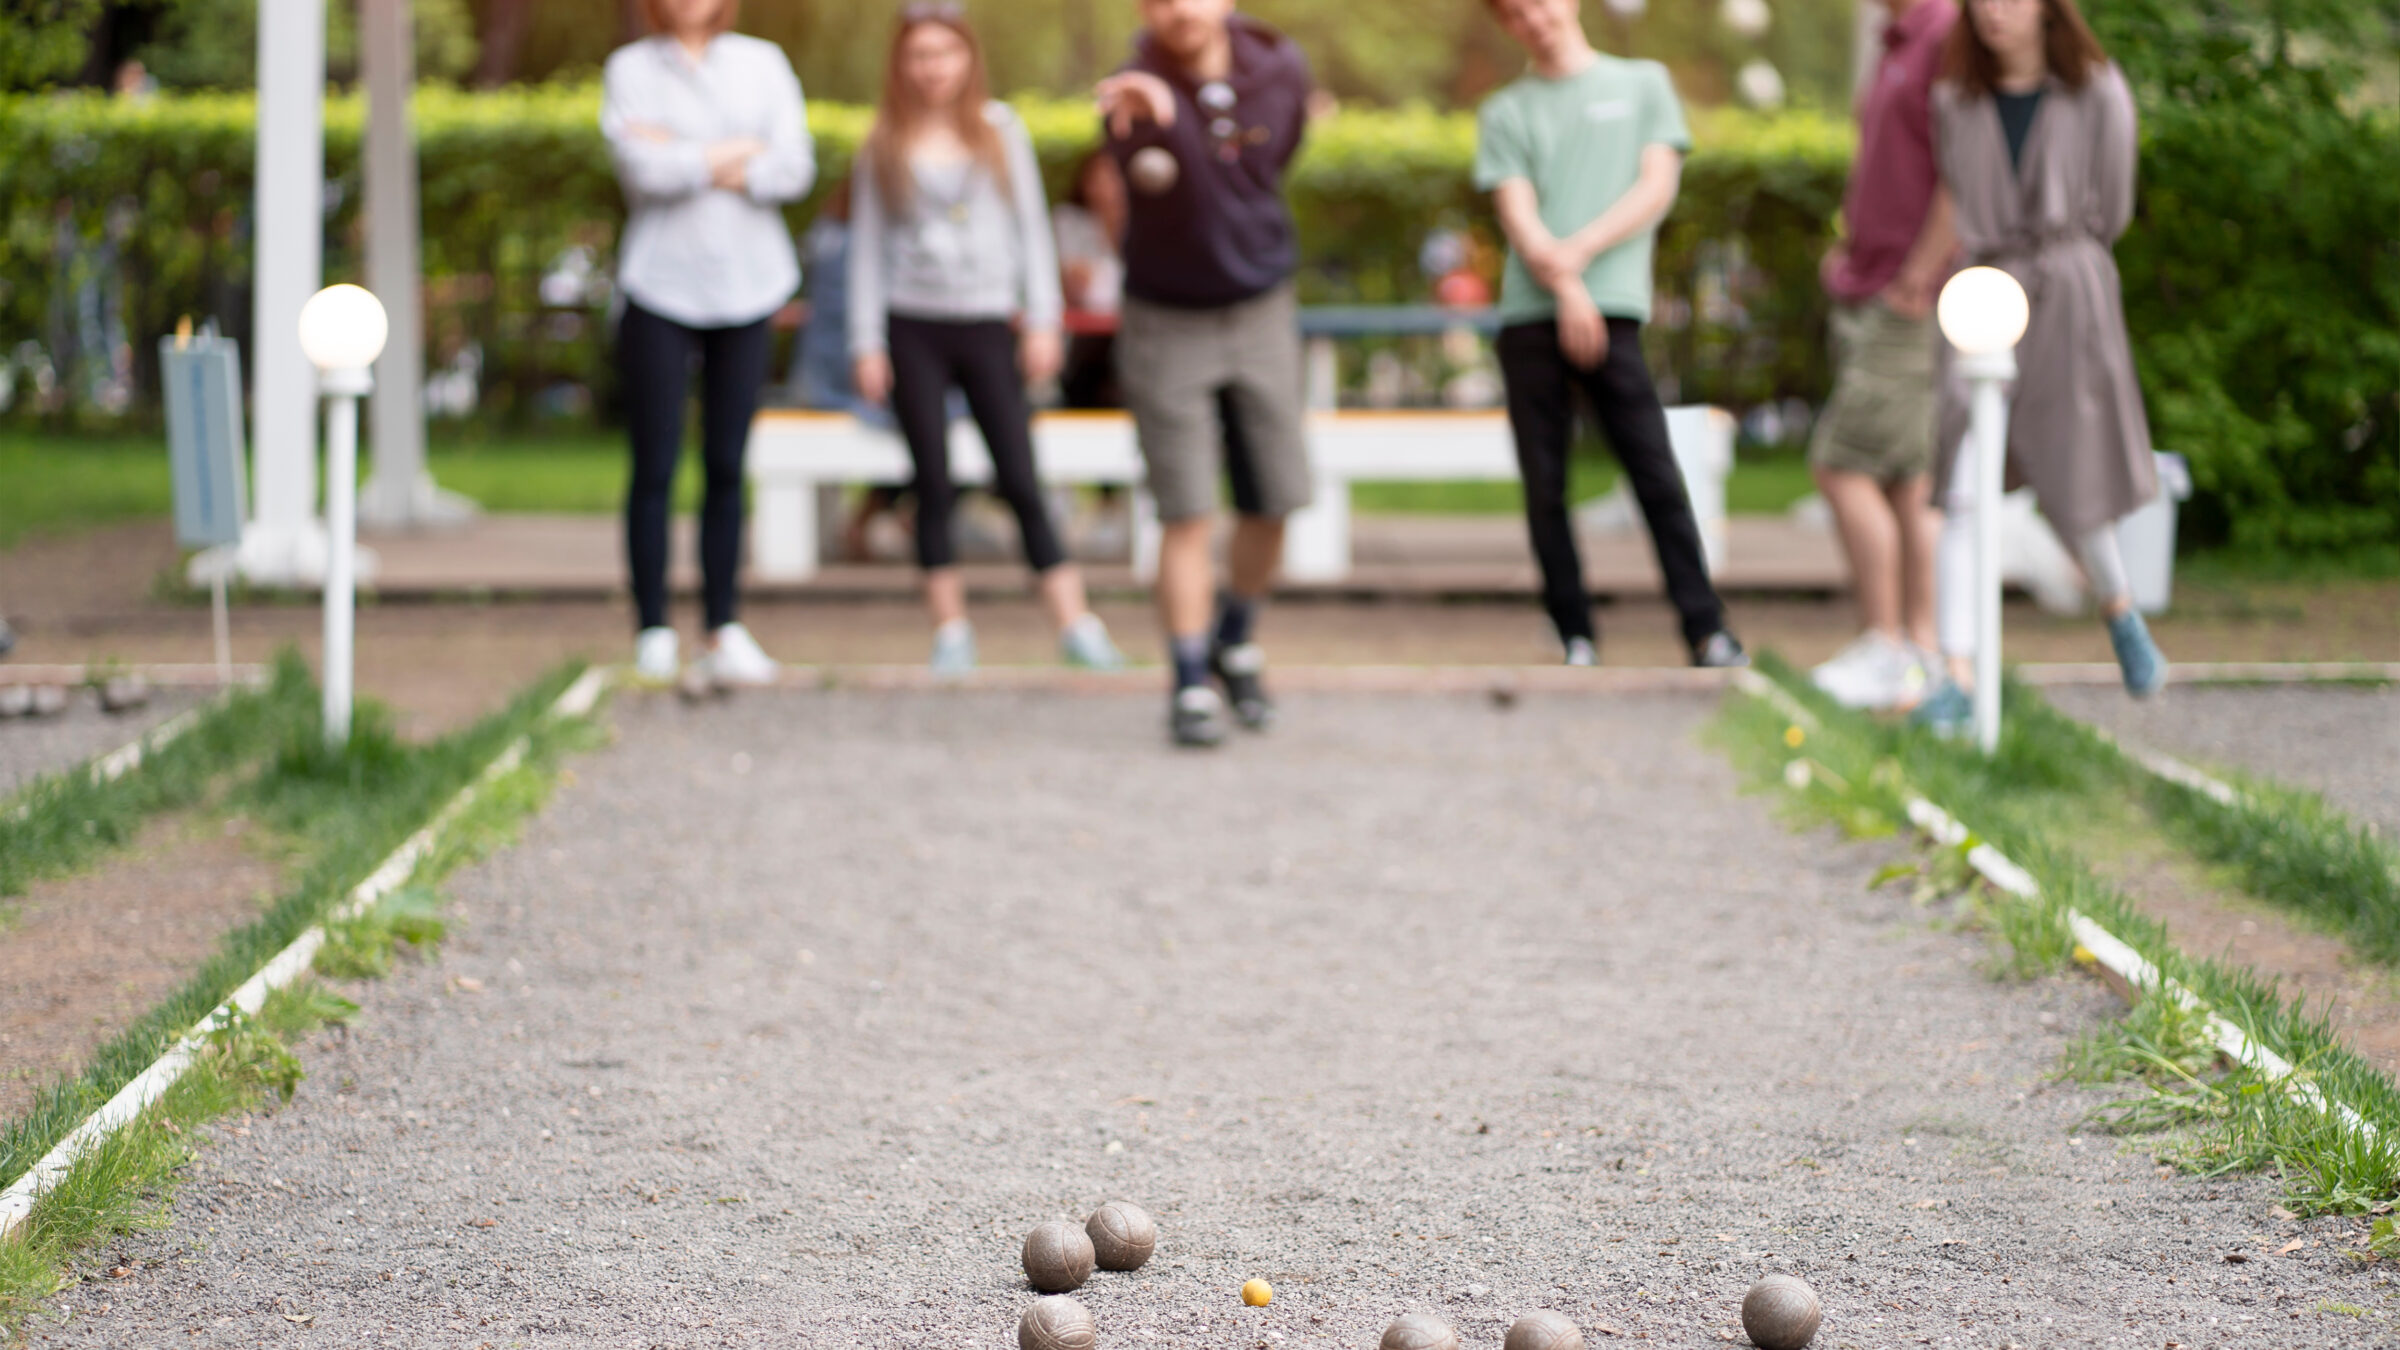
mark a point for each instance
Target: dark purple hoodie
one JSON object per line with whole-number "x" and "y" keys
{"x": 1222, "y": 234}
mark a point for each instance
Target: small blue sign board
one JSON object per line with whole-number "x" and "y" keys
{"x": 203, "y": 380}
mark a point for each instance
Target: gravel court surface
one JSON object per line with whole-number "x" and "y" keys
{"x": 793, "y": 1014}
{"x": 2339, "y": 740}
{"x": 33, "y": 746}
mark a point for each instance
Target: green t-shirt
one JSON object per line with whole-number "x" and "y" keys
{"x": 1579, "y": 141}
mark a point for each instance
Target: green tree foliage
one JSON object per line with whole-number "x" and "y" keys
{"x": 44, "y": 42}
{"x": 213, "y": 44}
{"x": 2262, "y": 277}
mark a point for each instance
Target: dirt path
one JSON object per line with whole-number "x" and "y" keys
{"x": 82, "y": 957}
{"x": 793, "y": 1014}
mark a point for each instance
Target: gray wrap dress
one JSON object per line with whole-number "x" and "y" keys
{"x": 2077, "y": 432}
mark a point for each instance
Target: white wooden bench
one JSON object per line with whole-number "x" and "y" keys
{"x": 793, "y": 454}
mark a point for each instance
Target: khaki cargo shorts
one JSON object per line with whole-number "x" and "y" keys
{"x": 1172, "y": 363}
{"x": 1880, "y": 420}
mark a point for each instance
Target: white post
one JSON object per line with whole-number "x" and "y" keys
{"x": 285, "y": 543}
{"x": 1988, "y": 375}
{"x": 342, "y": 390}
{"x": 400, "y": 492}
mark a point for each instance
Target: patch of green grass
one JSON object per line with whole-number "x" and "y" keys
{"x": 346, "y": 811}
{"x": 65, "y": 821}
{"x": 2023, "y": 801}
{"x": 57, "y": 484}
{"x": 126, "y": 1184}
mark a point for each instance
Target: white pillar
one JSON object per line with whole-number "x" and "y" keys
{"x": 400, "y": 493}
{"x": 1988, "y": 377}
{"x": 284, "y": 543}
{"x": 341, "y": 568}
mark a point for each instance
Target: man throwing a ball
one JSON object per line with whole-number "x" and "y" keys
{"x": 1204, "y": 121}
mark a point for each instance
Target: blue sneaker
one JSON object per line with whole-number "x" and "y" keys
{"x": 2138, "y": 656}
{"x": 1947, "y": 712}
{"x": 954, "y": 650}
{"x": 1085, "y": 645}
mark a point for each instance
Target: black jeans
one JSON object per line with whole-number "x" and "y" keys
{"x": 1541, "y": 412}
{"x": 655, "y": 356}
{"x": 928, "y": 358}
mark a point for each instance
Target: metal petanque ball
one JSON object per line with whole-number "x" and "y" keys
{"x": 1544, "y": 1330}
{"x": 1781, "y": 1313}
{"x": 1058, "y": 1257}
{"x": 124, "y": 693}
{"x": 1153, "y": 171}
{"x": 1418, "y": 1331}
{"x": 1056, "y": 1323}
{"x": 49, "y": 700}
{"x": 1122, "y": 1235}
{"x": 16, "y": 700}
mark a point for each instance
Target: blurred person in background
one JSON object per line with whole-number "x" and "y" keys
{"x": 1211, "y": 322}
{"x": 821, "y": 378}
{"x": 2035, "y": 132}
{"x": 950, "y": 243}
{"x": 1583, "y": 156}
{"x": 1872, "y": 451}
{"x": 710, "y": 137}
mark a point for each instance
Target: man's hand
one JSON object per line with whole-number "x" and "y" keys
{"x": 729, "y": 163}
{"x": 1555, "y": 263}
{"x": 1041, "y": 356}
{"x": 1911, "y": 296}
{"x": 1582, "y": 331}
{"x": 1132, "y": 98}
{"x": 872, "y": 374}
{"x": 1836, "y": 258}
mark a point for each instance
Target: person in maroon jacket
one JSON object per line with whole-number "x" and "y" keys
{"x": 1205, "y": 119}
{"x": 1873, "y": 451}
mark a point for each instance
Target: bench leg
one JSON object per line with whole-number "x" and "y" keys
{"x": 783, "y": 529}
{"x": 1316, "y": 542}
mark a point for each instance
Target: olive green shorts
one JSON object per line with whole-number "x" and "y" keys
{"x": 1880, "y": 420}
{"x": 1174, "y": 364}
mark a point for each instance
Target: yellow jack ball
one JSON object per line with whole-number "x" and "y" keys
{"x": 1258, "y": 1293}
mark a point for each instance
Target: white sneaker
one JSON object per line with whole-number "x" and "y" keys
{"x": 1872, "y": 672}
{"x": 1582, "y": 652}
{"x": 654, "y": 656}
{"x": 735, "y": 659}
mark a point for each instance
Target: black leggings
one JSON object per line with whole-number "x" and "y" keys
{"x": 930, "y": 356}
{"x": 655, "y": 355}
{"x": 1541, "y": 412}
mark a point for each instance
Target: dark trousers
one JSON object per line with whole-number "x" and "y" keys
{"x": 655, "y": 356}
{"x": 929, "y": 357}
{"x": 1541, "y": 412}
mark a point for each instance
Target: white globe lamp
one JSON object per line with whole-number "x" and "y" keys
{"x": 1747, "y": 18}
{"x": 1983, "y": 311}
{"x": 342, "y": 331}
{"x": 343, "y": 328}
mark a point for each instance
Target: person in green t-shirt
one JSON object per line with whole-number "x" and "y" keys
{"x": 1583, "y": 157}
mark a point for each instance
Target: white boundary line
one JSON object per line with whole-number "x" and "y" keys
{"x": 17, "y": 1202}
{"x": 170, "y": 675}
{"x": 2112, "y": 952}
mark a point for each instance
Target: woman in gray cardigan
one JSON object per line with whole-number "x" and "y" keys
{"x": 2034, "y": 131}
{"x": 950, "y": 241}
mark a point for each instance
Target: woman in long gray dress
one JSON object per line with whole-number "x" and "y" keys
{"x": 2034, "y": 129}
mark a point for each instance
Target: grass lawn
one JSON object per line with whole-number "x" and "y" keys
{"x": 66, "y": 483}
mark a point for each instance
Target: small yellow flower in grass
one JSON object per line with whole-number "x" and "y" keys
{"x": 1794, "y": 737}
{"x": 1258, "y": 1293}
{"x": 2084, "y": 956}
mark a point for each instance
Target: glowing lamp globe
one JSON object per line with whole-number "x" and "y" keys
{"x": 343, "y": 328}
{"x": 1983, "y": 311}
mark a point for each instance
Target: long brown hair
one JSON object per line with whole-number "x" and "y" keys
{"x": 2068, "y": 45}
{"x": 900, "y": 112}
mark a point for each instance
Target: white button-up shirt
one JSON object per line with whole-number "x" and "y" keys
{"x": 695, "y": 253}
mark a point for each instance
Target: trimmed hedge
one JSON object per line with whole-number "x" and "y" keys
{"x": 514, "y": 179}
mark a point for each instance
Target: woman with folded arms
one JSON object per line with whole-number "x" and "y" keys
{"x": 710, "y": 138}
{"x": 950, "y": 241}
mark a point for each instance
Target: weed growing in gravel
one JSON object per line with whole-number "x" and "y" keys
{"x": 65, "y": 821}
{"x": 2024, "y": 801}
{"x": 362, "y": 948}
